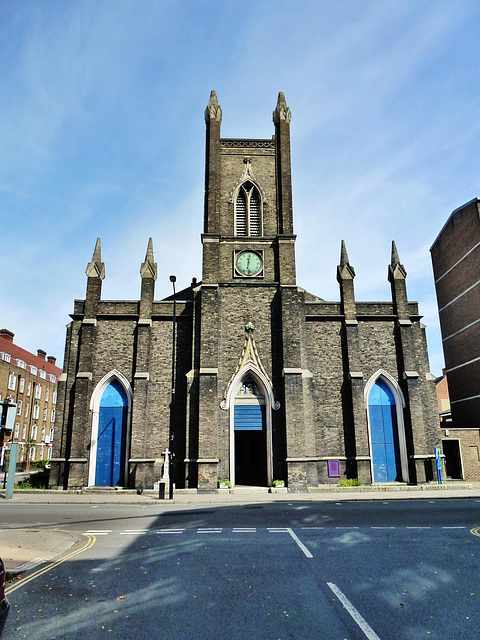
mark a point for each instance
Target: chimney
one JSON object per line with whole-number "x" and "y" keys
{"x": 41, "y": 354}
{"x": 7, "y": 335}
{"x": 51, "y": 359}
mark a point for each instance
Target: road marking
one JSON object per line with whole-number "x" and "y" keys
{"x": 454, "y": 527}
{"x": 418, "y": 527}
{"x": 347, "y": 527}
{"x": 90, "y": 542}
{"x": 99, "y": 532}
{"x": 383, "y": 527}
{"x": 313, "y": 527}
{"x": 210, "y": 530}
{"x": 300, "y": 543}
{"x": 475, "y": 531}
{"x": 295, "y": 537}
{"x": 162, "y": 531}
{"x": 133, "y": 532}
{"x": 362, "y": 623}
{"x": 244, "y": 530}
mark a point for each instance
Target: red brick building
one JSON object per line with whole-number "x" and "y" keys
{"x": 30, "y": 381}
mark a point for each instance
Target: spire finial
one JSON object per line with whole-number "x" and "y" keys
{"x": 395, "y": 260}
{"x": 213, "y": 110}
{"x": 345, "y": 271}
{"x": 149, "y": 267}
{"x": 282, "y": 112}
{"x": 396, "y": 268}
{"x": 344, "y": 261}
{"x": 96, "y": 268}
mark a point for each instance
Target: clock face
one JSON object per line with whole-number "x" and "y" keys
{"x": 249, "y": 263}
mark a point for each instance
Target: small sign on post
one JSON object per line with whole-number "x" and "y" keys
{"x": 12, "y": 466}
{"x": 438, "y": 463}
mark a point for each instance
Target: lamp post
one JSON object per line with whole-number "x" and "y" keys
{"x": 173, "y": 279}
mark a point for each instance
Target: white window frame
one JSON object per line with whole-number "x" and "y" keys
{"x": 12, "y": 382}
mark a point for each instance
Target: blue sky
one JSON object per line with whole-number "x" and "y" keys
{"x": 102, "y": 134}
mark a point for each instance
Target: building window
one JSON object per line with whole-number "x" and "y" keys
{"x": 36, "y": 412}
{"x": 27, "y": 407}
{"x": 31, "y": 455}
{"x": 49, "y": 453}
{"x": 47, "y": 394}
{"x": 54, "y": 397}
{"x": 52, "y": 433}
{"x": 43, "y": 434}
{"x": 24, "y": 432}
{"x": 45, "y": 411}
{"x": 33, "y": 370}
{"x": 52, "y": 378}
{"x": 12, "y": 382}
{"x": 42, "y": 374}
{"x": 6, "y": 357}
{"x": 38, "y": 391}
{"x": 17, "y": 430}
{"x": 248, "y": 214}
{"x": 52, "y": 418}
{"x": 22, "y": 385}
{"x": 19, "y": 408}
{"x": 29, "y": 388}
{"x": 34, "y": 432}
{"x": 21, "y": 364}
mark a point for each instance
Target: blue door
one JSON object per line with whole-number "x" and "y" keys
{"x": 109, "y": 470}
{"x": 250, "y": 445}
{"x": 384, "y": 434}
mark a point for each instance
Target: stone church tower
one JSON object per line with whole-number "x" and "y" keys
{"x": 245, "y": 375}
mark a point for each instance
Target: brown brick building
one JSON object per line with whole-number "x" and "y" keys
{"x": 30, "y": 381}
{"x": 456, "y": 267}
{"x": 265, "y": 381}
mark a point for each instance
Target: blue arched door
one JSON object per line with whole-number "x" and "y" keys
{"x": 384, "y": 434}
{"x": 111, "y": 440}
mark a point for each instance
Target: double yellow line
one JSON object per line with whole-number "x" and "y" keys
{"x": 23, "y": 581}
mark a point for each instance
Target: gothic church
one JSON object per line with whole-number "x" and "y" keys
{"x": 244, "y": 375}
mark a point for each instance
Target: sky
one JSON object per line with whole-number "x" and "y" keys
{"x": 102, "y": 134}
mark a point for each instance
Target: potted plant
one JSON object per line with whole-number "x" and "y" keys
{"x": 224, "y": 483}
{"x": 277, "y": 484}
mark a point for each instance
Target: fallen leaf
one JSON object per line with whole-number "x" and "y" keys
{"x": 121, "y": 598}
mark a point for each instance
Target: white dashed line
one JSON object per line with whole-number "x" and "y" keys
{"x": 362, "y": 623}
{"x": 454, "y": 527}
{"x": 99, "y": 532}
{"x": 383, "y": 527}
{"x": 244, "y": 530}
{"x": 163, "y": 531}
{"x": 418, "y": 527}
{"x": 212, "y": 530}
{"x": 313, "y": 528}
{"x": 133, "y": 532}
{"x": 347, "y": 527}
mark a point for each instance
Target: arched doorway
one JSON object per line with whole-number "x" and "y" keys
{"x": 250, "y": 434}
{"x": 111, "y": 437}
{"x": 384, "y": 437}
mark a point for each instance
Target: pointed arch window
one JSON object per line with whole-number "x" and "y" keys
{"x": 248, "y": 211}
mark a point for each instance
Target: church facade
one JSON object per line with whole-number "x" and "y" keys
{"x": 245, "y": 376}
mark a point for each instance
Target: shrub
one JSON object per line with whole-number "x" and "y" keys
{"x": 38, "y": 480}
{"x": 350, "y": 482}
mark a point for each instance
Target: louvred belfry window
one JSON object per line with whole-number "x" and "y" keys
{"x": 248, "y": 215}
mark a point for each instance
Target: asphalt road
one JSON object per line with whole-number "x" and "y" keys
{"x": 317, "y": 571}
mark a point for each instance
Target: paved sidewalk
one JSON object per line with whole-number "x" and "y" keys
{"x": 23, "y": 549}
